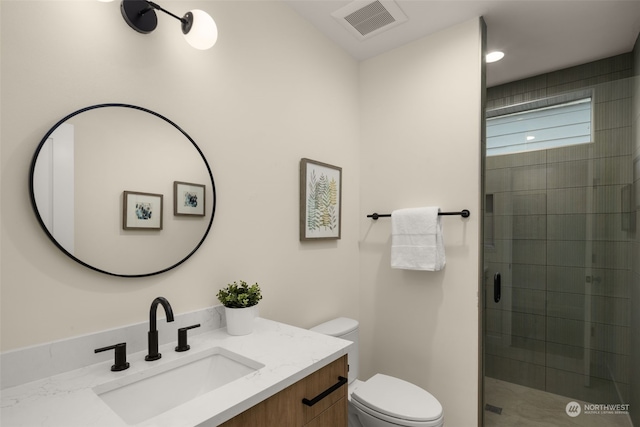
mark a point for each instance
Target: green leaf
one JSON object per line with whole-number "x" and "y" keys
{"x": 240, "y": 296}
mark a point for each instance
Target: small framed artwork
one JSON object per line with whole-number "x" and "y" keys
{"x": 142, "y": 211}
{"x": 320, "y": 200}
{"x": 188, "y": 198}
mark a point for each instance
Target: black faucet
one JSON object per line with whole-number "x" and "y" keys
{"x": 153, "y": 330}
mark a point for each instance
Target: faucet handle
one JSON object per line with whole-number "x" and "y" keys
{"x": 182, "y": 337}
{"x": 120, "y": 355}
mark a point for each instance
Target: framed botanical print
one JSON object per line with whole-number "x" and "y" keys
{"x": 320, "y": 200}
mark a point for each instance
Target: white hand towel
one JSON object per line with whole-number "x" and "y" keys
{"x": 416, "y": 239}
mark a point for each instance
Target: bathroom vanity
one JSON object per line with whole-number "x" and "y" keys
{"x": 259, "y": 379}
{"x": 292, "y": 407}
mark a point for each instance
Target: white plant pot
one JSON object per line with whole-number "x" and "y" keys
{"x": 240, "y": 320}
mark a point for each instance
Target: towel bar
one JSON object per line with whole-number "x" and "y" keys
{"x": 463, "y": 213}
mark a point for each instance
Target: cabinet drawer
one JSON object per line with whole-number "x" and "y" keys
{"x": 286, "y": 409}
{"x": 335, "y": 416}
{"x": 321, "y": 383}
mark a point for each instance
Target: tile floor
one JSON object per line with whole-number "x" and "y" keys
{"x": 527, "y": 407}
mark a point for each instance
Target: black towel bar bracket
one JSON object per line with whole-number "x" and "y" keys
{"x": 463, "y": 213}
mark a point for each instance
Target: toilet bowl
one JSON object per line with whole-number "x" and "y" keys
{"x": 382, "y": 400}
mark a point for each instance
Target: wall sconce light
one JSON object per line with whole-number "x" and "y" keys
{"x": 198, "y": 27}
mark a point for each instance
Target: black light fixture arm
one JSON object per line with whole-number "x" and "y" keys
{"x": 141, "y": 16}
{"x": 158, "y": 7}
{"x": 186, "y": 20}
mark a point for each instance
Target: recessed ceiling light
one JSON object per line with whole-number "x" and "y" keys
{"x": 530, "y": 138}
{"x": 494, "y": 56}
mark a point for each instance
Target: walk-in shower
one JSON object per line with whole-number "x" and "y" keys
{"x": 561, "y": 259}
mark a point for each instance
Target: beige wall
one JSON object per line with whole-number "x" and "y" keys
{"x": 420, "y": 146}
{"x": 271, "y": 92}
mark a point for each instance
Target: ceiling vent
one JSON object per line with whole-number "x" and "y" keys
{"x": 365, "y": 19}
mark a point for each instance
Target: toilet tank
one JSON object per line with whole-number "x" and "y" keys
{"x": 347, "y": 329}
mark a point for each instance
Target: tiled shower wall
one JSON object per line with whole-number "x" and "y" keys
{"x": 560, "y": 229}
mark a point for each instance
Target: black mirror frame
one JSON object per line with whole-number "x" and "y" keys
{"x": 55, "y": 242}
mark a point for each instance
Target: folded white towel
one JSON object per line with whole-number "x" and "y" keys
{"x": 416, "y": 239}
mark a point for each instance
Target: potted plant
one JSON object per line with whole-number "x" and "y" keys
{"x": 240, "y": 302}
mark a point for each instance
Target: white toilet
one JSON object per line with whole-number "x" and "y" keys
{"x": 382, "y": 401}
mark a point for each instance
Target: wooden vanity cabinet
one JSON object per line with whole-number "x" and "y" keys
{"x": 325, "y": 389}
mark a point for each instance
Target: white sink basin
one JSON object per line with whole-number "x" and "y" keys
{"x": 143, "y": 395}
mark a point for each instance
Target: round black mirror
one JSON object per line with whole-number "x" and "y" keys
{"x": 122, "y": 190}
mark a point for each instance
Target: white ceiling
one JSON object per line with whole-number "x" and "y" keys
{"x": 537, "y": 36}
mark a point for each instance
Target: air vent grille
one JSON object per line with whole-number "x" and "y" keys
{"x": 364, "y": 19}
{"x": 370, "y": 18}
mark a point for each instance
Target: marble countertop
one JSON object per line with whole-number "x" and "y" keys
{"x": 67, "y": 399}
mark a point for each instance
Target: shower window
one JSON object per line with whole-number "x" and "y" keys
{"x": 540, "y": 125}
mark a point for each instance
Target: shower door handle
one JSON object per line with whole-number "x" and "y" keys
{"x": 497, "y": 287}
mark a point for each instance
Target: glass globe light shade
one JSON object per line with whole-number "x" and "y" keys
{"x": 204, "y": 31}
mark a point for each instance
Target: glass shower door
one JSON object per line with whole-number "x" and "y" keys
{"x": 559, "y": 232}
{"x": 515, "y": 270}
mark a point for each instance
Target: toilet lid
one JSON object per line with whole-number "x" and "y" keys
{"x": 397, "y": 398}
